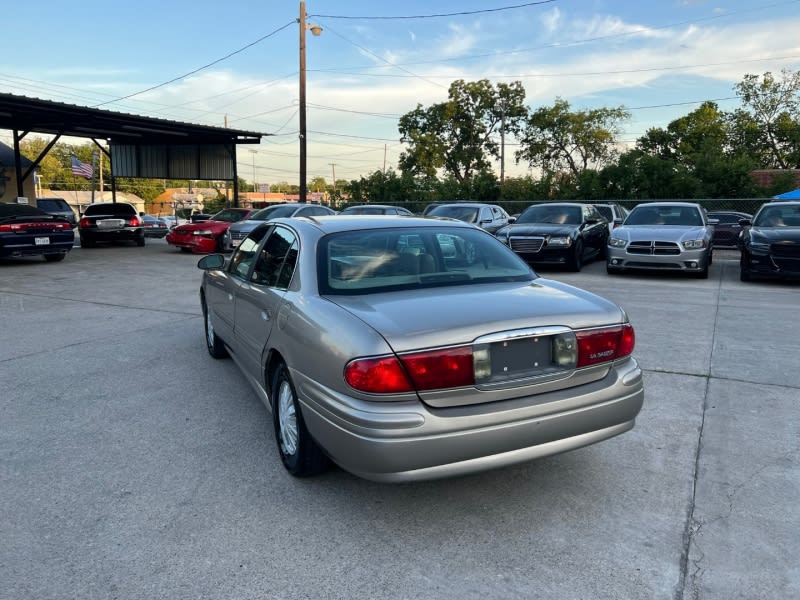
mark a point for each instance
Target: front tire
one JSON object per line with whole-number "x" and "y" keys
{"x": 214, "y": 345}
{"x": 576, "y": 260}
{"x": 299, "y": 453}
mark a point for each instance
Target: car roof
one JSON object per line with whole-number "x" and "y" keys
{"x": 375, "y": 206}
{"x": 340, "y": 222}
{"x": 689, "y": 204}
{"x": 470, "y": 204}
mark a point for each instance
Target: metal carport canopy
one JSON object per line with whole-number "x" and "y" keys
{"x": 139, "y": 146}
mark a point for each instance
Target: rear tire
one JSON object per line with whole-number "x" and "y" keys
{"x": 87, "y": 243}
{"x": 299, "y": 453}
{"x": 140, "y": 241}
{"x": 214, "y": 345}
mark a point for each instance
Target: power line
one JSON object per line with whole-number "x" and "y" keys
{"x": 219, "y": 60}
{"x": 435, "y": 16}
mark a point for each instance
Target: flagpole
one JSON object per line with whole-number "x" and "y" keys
{"x": 94, "y": 170}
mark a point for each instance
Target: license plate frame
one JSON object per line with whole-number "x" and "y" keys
{"x": 41, "y": 241}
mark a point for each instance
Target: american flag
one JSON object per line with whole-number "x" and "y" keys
{"x": 81, "y": 169}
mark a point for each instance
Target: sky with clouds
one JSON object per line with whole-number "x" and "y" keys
{"x": 238, "y": 61}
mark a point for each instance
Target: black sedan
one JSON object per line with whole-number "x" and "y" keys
{"x": 29, "y": 231}
{"x": 155, "y": 227}
{"x": 110, "y": 222}
{"x": 564, "y": 233}
{"x": 770, "y": 243}
{"x": 727, "y": 227}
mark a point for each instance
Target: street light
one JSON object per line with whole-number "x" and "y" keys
{"x": 315, "y": 30}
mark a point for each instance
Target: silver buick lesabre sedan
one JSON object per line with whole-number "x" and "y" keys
{"x": 409, "y": 349}
{"x": 672, "y": 236}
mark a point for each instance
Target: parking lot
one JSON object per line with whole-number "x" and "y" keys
{"x": 133, "y": 465}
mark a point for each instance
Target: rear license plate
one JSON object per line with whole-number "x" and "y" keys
{"x": 41, "y": 241}
{"x": 110, "y": 223}
{"x": 235, "y": 243}
{"x": 522, "y": 356}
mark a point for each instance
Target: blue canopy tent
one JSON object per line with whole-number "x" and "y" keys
{"x": 793, "y": 195}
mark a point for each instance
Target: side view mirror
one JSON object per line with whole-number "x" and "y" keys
{"x": 512, "y": 220}
{"x": 211, "y": 262}
{"x": 617, "y": 222}
{"x": 745, "y": 222}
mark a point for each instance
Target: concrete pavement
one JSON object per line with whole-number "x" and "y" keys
{"x": 132, "y": 465}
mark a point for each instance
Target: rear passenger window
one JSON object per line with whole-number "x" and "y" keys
{"x": 277, "y": 259}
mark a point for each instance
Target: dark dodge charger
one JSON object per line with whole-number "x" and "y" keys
{"x": 770, "y": 243}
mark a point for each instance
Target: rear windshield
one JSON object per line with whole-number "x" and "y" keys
{"x": 52, "y": 204}
{"x": 12, "y": 210}
{"x": 379, "y": 260}
{"x": 119, "y": 209}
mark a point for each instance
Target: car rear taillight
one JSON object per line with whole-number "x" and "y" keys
{"x": 383, "y": 375}
{"x": 84, "y": 222}
{"x": 432, "y": 370}
{"x": 134, "y": 221}
{"x": 20, "y": 227}
{"x": 440, "y": 369}
{"x": 606, "y": 344}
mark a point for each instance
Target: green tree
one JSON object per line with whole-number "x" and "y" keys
{"x": 458, "y": 136}
{"x": 774, "y": 103}
{"x": 557, "y": 138}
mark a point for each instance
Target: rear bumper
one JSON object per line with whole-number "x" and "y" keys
{"x": 126, "y": 234}
{"x": 395, "y": 442}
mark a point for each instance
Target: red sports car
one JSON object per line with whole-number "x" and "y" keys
{"x": 206, "y": 236}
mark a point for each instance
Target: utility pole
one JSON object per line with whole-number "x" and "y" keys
{"x": 315, "y": 30}
{"x": 333, "y": 168}
{"x": 502, "y": 144}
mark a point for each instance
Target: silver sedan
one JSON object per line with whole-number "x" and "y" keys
{"x": 671, "y": 236}
{"x": 415, "y": 349}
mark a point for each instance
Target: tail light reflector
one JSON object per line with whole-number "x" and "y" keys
{"x": 603, "y": 345}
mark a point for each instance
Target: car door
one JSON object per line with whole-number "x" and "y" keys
{"x": 223, "y": 287}
{"x": 261, "y": 296}
{"x": 595, "y": 230}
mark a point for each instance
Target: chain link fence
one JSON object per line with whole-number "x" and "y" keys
{"x": 745, "y": 205}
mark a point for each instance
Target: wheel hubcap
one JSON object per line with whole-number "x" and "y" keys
{"x": 209, "y": 330}
{"x": 287, "y": 419}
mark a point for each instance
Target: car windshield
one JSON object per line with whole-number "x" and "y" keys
{"x": 273, "y": 212}
{"x": 665, "y": 215}
{"x": 551, "y": 213}
{"x": 380, "y": 260}
{"x": 778, "y": 216}
{"x": 118, "y": 209}
{"x": 468, "y": 214}
{"x": 228, "y": 215}
{"x": 364, "y": 210}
